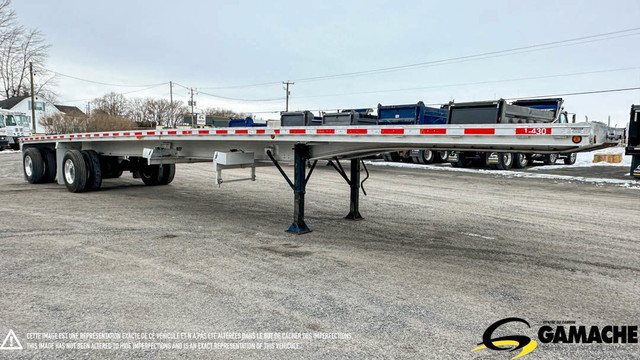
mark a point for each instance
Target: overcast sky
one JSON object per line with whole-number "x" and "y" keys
{"x": 207, "y": 44}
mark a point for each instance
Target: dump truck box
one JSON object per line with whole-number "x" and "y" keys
{"x": 499, "y": 111}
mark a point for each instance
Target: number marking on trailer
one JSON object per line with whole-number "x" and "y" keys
{"x": 533, "y": 131}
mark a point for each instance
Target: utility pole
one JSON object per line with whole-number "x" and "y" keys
{"x": 288, "y": 92}
{"x": 171, "y": 94}
{"x": 193, "y": 119}
{"x": 33, "y": 99}
{"x": 171, "y": 114}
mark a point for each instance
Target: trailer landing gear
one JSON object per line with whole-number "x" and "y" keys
{"x": 300, "y": 179}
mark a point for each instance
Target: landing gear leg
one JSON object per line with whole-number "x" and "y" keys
{"x": 354, "y": 207}
{"x": 300, "y": 179}
{"x": 301, "y": 154}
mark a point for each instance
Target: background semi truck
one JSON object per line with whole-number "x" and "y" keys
{"x": 501, "y": 112}
{"x": 13, "y": 126}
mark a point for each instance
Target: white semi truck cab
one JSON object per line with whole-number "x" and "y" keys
{"x": 13, "y": 126}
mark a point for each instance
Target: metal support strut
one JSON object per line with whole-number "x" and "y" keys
{"x": 354, "y": 207}
{"x": 354, "y": 184}
{"x": 300, "y": 179}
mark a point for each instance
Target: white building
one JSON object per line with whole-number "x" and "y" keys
{"x": 42, "y": 106}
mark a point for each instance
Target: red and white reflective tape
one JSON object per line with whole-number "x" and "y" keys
{"x": 411, "y": 130}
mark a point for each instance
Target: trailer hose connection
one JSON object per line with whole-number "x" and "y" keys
{"x": 364, "y": 166}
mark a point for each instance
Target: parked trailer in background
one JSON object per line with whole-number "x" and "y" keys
{"x": 413, "y": 114}
{"x": 633, "y": 144}
{"x": 82, "y": 161}
{"x": 299, "y": 118}
{"x": 349, "y": 117}
{"x": 530, "y": 111}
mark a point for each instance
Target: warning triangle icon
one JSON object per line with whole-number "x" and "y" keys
{"x": 11, "y": 342}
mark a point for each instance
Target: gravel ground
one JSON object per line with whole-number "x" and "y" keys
{"x": 439, "y": 258}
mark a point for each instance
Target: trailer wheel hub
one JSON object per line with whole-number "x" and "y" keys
{"x": 69, "y": 171}
{"x": 28, "y": 166}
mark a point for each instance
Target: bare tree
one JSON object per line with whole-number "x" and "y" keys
{"x": 176, "y": 113}
{"x": 111, "y": 104}
{"x": 19, "y": 48}
{"x": 7, "y": 18}
{"x": 225, "y": 113}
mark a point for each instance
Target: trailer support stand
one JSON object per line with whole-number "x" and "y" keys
{"x": 301, "y": 154}
{"x": 354, "y": 184}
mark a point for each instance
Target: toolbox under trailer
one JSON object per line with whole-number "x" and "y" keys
{"x": 81, "y": 161}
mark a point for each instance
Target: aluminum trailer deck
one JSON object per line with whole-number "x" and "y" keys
{"x": 250, "y": 147}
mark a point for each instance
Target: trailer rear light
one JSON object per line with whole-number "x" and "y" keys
{"x": 577, "y": 139}
{"x": 499, "y": 120}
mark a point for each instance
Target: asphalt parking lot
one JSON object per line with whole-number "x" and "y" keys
{"x": 439, "y": 257}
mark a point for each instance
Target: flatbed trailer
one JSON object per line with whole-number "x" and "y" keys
{"x": 81, "y": 161}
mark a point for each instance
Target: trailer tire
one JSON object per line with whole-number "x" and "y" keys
{"x": 166, "y": 174}
{"x": 94, "y": 178}
{"x": 33, "y": 165}
{"x": 441, "y": 156}
{"x": 426, "y": 156}
{"x": 506, "y": 161}
{"x": 150, "y": 174}
{"x": 416, "y": 159}
{"x": 550, "y": 159}
{"x": 50, "y": 165}
{"x": 387, "y": 157}
{"x": 74, "y": 169}
{"x": 520, "y": 160}
{"x": 570, "y": 159}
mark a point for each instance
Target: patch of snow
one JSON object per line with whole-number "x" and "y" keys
{"x": 9, "y": 152}
{"x": 479, "y": 236}
{"x": 629, "y": 184}
{"x": 585, "y": 159}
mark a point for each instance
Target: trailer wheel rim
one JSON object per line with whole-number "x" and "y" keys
{"x": 428, "y": 155}
{"x": 574, "y": 156}
{"x": 28, "y": 166}
{"x": 69, "y": 171}
{"x": 507, "y": 159}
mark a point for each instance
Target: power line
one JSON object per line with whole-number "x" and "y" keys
{"x": 123, "y": 93}
{"x": 236, "y": 99}
{"x": 479, "y": 56}
{"x": 517, "y": 50}
{"x": 576, "y": 93}
{"x": 98, "y": 82}
{"x": 471, "y": 83}
{"x": 229, "y": 98}
{"x": 579, "y": 93}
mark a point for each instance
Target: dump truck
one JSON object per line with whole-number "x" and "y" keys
{"x": 633, "y": 142}
{"x": 526, "y": 111}
{"x": 350, "y": 117}
{"x": 417, "y": 113}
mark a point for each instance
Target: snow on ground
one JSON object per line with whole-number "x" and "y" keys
{"x": 584, "y": 160}
{"x": 9, "y": 151}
